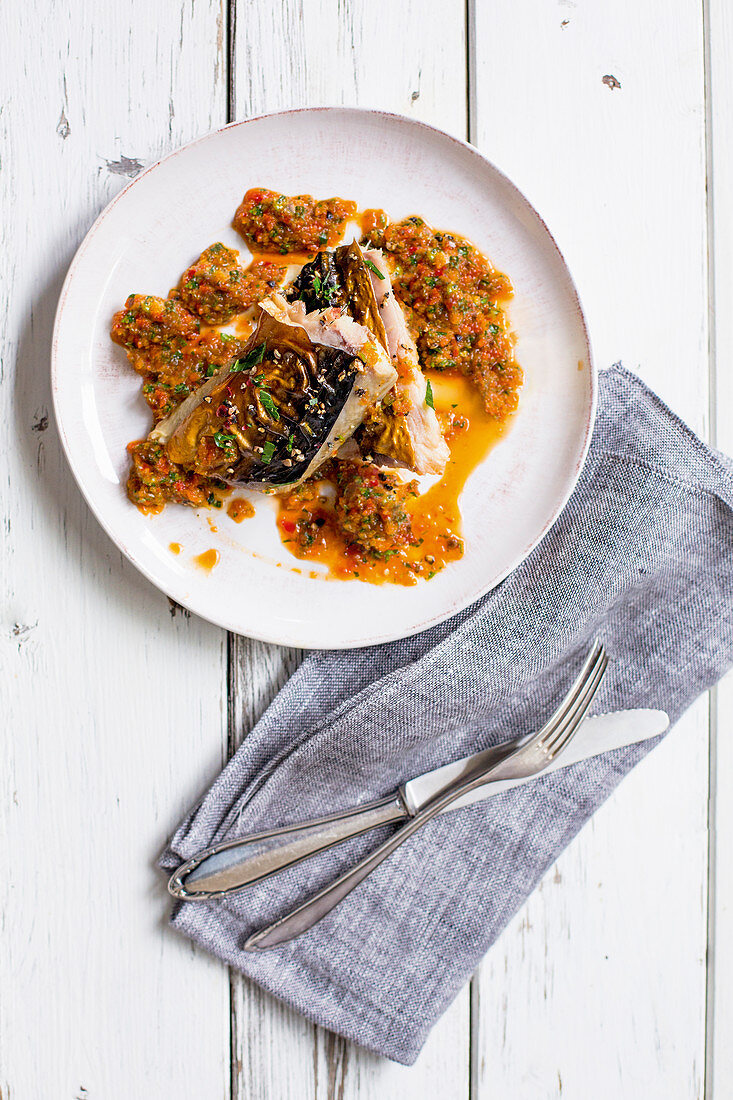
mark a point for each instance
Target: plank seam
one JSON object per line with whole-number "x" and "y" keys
{"x": 231, "y": 70}
{"x": 709, "y": 1050}
{"x": 471, "y": 100}
{"x": 474, "y": 1067}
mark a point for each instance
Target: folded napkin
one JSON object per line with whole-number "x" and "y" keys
{"x": 642, "y": 557}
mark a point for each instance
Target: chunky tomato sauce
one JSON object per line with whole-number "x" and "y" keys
{"x": 240, "y": 509}
{"x": 270, "y": 222}
{"x": 452, "y": 298}
{"x": 359, "y": 520}
{"x": 216, "y": 288}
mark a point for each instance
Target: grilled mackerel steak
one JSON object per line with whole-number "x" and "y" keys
{"x": 403, "y": 430}
{"x": 286, "y": 406}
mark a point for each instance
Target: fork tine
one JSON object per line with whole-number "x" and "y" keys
{"x": 580, "y": 703}
{"x": 549, "y": 733}
{"x": 561, "y": 735}
{"x": 568, "y": 701}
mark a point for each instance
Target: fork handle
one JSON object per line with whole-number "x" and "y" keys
{"x": 311, "y": 911}
{"x": 235, "y": 864}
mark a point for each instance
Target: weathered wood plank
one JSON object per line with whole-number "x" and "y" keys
{"x": 408, "y": 58}
{"x": 112, "y": 701}
{"x": 597, "y": 112}
{"x": 719, "y": 1063}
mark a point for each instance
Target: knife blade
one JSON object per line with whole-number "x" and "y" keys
{"x": 236, "y": 864}
{"x": 599, "y": 734}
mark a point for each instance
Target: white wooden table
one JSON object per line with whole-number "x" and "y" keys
{"x": 615, "y": 980}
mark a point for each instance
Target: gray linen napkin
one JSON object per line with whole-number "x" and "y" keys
{"x": 641, "y": 557}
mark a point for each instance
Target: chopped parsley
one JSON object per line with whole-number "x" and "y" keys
{"x": 268, "y": 451}
{"x": 429, "y": 394}
{"x": 268, "y": 404}
{"x": 251, "y": 359}
{"x": 323, "y": 289}
{"x": 223, "y": 439}
{"x": 373, "y": 267}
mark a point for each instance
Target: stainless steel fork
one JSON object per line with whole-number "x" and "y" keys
{"x": 531, "y": 757}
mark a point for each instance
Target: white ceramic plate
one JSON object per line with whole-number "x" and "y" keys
{"x": 159, "y": 224}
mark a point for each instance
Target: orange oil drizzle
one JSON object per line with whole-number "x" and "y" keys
{"x": 435, "y": 514}
{"x": 208, "y": 560}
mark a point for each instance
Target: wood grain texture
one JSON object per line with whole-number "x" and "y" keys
{"x": 598, "y": 987}
{"x": 409, "y": 58}
{"x": 98, "y": 760}
{"x": 719, "y": 30}
{"x": 604, "y": 130}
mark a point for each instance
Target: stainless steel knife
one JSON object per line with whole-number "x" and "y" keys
{"x": 236, "y": 864}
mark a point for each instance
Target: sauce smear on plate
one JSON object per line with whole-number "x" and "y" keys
{"x": 208, "y": 560}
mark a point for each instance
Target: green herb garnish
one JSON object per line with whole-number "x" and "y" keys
{"x": 210, "y": 371}
{"x": 268, "y": 404}
{"x": 223, "y": 439}
{"x": 251, "y": 359}
{"x": 267, "y": 452}
{"x": 181, "y": 388}
{"x": 374, "y": 268}
{"x": 429, "y": 394}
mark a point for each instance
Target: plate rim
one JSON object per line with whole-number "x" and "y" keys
{"x": 222, "y": 621}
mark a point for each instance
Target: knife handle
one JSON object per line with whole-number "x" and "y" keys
{"x": 238, "y": 863}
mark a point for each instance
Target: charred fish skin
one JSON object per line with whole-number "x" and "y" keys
{"x": 318, "y": 284}
{"x": 340, "y": 278}
{"x": 265, "y": 420}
